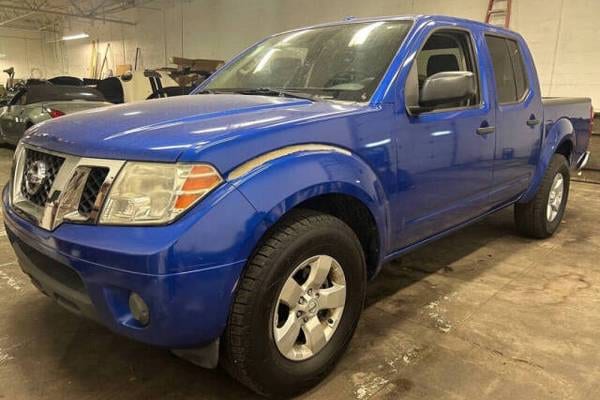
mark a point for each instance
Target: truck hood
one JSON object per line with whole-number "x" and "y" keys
{"x": 160, "y": 130}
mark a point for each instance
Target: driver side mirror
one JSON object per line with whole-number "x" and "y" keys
{"x": 443, "y": 88}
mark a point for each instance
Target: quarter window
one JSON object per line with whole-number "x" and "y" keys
{"x": 509, "y": 69}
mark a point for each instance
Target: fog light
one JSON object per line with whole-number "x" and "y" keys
{"x": 139, "y": 309}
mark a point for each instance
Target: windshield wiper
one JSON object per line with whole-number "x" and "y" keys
{"x": 207, "y": 91}
{"x": 267, "y": 91}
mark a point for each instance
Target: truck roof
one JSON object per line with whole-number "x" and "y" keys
{"x": 418, "y": 18}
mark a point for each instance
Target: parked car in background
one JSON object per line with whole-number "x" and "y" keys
{"x": 243, "y": 221}
{"x": 134, "y": 86}
{"x": 39, "y": 102}
{"x": 150, "y": 84}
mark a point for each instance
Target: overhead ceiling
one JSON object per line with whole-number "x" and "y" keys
{"x": 54, "y": 15}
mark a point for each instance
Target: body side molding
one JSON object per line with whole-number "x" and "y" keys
{"x": 256, "y": 162}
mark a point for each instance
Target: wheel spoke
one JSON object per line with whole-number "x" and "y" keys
{"x": 555, "y": 197}
{"x": 333, "y": 297}
{"x": 318, "y": 272}
{"x": 557, "y": 183}
{"x": 307, "y": 314}
{"x": 291, "y": 292}
{"x": 287, "y": 335}
{"x": 314, "y": 331}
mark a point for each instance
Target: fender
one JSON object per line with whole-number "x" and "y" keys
{"x": 560, "y": 132}
{"x": 278, "y": 181}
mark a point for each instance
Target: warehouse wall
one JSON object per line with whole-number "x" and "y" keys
{"x": 77, "y": 54}
{"x": 562, "y": 34}
{"x": 24, "y": 51}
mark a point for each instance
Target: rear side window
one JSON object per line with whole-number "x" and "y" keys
{"x": 518, "y": 67}
{"x": 509, "y": 69}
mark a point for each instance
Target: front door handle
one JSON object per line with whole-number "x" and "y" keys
{"x": 533, "y": 122}
{"x": 485, "y": 130}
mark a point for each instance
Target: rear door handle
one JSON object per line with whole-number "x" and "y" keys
{"x": 485, "y": 130}
{"x": 533, "y": 122}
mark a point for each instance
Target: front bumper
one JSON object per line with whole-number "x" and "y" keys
{"x": 188, "y": 307}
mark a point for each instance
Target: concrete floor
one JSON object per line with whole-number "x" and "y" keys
{"x": 481, "y": 313}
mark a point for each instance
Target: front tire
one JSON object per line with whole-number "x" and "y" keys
{"x": 541, "y": 217}
{"x": 297, "y": 305}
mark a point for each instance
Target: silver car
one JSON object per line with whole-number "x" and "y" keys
{"x": 36, "y": 103}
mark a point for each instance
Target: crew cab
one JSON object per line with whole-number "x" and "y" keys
{"x": 242, "y": 222}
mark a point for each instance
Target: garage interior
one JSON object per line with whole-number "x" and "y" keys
{"x": 480, "y": 313}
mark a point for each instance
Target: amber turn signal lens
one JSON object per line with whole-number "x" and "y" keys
{"x": 200, "y": 180}
{"x": 185, "y": 200}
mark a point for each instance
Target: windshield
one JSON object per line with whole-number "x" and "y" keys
{"x": 341, "y": 62}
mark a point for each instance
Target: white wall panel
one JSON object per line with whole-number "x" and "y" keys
{"x": 21, "y": 50}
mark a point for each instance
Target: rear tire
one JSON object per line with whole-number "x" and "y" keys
{"x": 541, "y": 217}
{"x": 251, "y": 352}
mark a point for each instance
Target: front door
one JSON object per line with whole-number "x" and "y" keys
{"x": 445, "y": 156}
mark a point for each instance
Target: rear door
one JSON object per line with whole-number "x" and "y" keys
{"x": 518, "y": 118}
{"x": 445, "y": 155}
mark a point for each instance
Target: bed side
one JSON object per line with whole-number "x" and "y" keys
{"x": 567, "y": 119}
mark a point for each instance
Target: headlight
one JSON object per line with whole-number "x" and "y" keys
{"x": 154, "y": 193}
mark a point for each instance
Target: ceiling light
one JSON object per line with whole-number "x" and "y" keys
{"x": 76, "y": 36}
{"x": 2, "y": 55}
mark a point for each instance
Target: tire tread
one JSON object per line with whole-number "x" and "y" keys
{"x": 236, "y": 342}
{"x": 530, "y": 217}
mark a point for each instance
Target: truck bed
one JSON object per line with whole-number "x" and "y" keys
{"x": 578, "y": 111}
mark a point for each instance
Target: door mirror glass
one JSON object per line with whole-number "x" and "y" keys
{"x": 447, "y": 87}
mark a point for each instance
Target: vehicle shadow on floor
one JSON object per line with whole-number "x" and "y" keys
{"x": 85, "y": 360}
{"x": 470, "y": 244}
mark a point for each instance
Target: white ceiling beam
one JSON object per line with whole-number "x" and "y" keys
{"x": 18, "y": 17}
{"x": 66, "y": 14}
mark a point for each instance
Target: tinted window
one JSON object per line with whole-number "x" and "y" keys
{"x": 503, "y": 69}
{"x": 446, "y": 51}
{"x": 49, "y": 92}
{"x": 518, "y": 67}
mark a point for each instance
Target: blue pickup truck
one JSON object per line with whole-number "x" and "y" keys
{"x": 240, "y": 224}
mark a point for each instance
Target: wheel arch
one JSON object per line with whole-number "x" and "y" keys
{"x": 336, "y": 183}
{"x": 560, "y": 139}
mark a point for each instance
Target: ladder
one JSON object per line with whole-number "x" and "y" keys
{"x": 498, "y": 9}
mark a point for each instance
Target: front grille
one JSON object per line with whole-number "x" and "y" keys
{"x": 92, "y": 187}
{"x": 62, "y": 187}
{"x": 53, "y": 164}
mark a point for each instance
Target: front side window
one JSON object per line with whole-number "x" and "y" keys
{"x": 509, "y": 69}
{"x": 444, "y": 51}
{"x": 342, "y": 62}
